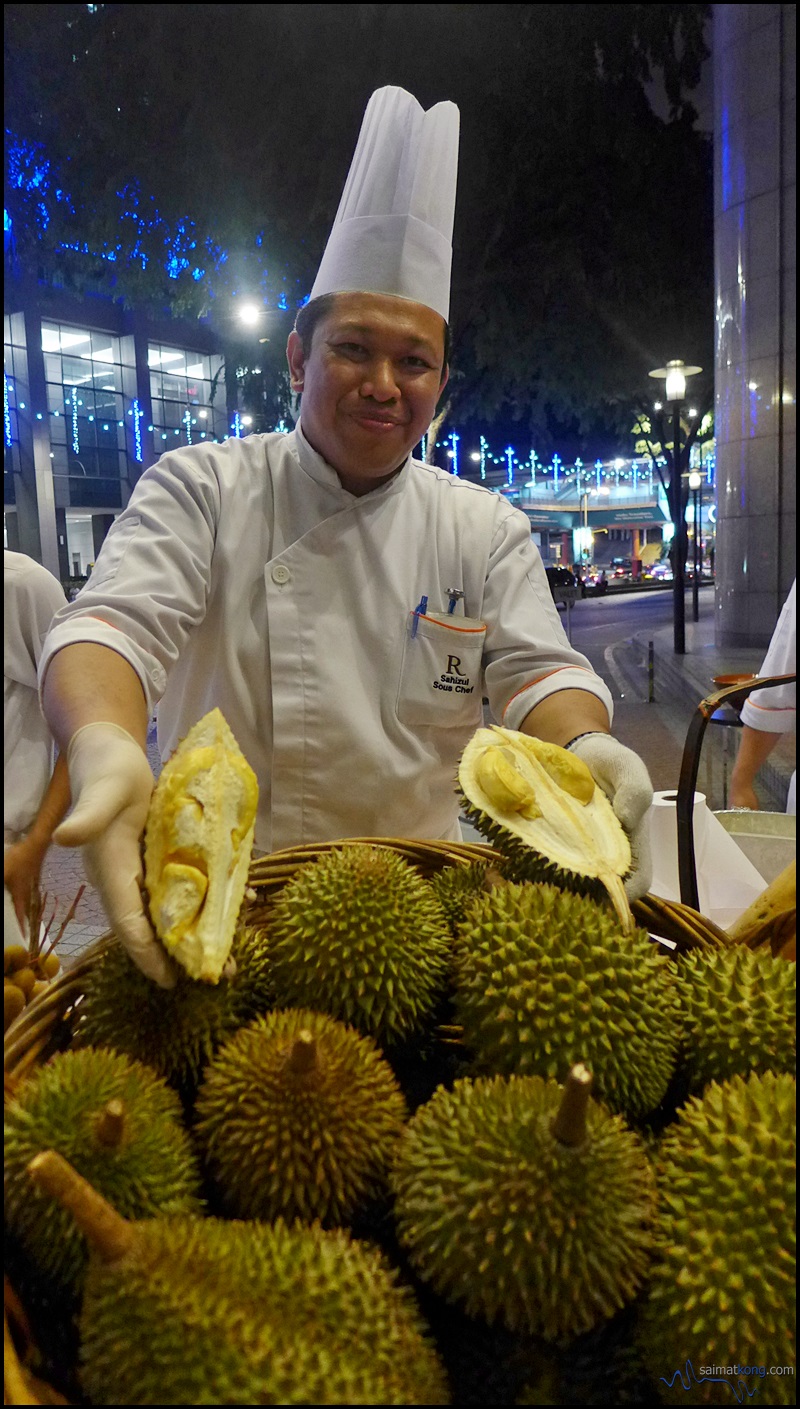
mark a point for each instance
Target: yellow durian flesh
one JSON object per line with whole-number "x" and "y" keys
{"x": 548, "y": 807}
{"x": 198, "y": 842}
{"x": 568, "y": 771}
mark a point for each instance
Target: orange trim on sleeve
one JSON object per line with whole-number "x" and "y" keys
{"x": 92, "y": 617}
{"x": 773, "y": 709}
{"x": 546, "y": 676}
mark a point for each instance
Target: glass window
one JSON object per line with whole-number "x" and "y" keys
{"x": 16, "y": 398}
{"x": 83, "y": 372}
{"x": 187, "y": 391}
{"x": 84, "y": 375}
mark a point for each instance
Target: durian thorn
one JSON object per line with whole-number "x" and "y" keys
{"x": 107, "y": 1232}
{"x": 618, "y": 898}
{"x": 569, "y": 1125}
{"x": 303, "y": 1056}
{"x": 110, "y": 1124}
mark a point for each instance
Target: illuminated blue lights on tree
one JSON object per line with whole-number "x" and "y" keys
{"x": 187, "y": 421}
{"x": 556, "y": 461}
{"x": 236, "y": 425}
{"x": 28, "y": 168}
{"x": 598, "y": 466}
{"x": 509, "y": 454}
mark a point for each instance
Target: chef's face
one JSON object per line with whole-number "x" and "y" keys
{"x": 369, "y": 384}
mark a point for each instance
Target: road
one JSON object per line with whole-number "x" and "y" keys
{"x": 600, "y": 627}
{"x": 600, "y": 624}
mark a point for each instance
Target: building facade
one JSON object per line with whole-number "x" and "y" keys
{"x": 756, "y": 350}
{"x": 93, "y": 394}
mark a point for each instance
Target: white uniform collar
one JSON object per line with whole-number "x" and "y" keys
{"x": 323, "y": 474}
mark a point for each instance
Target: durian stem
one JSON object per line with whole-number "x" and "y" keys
{"x": 303, "y": 1056}
{"x": 619, "y": 900}
{"x": 110, "y": 1124}
{"x": 569, "y": 1125}
{"x": 108, "y": 1233}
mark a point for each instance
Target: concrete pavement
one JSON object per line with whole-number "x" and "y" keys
{"x": 655, "y": 730}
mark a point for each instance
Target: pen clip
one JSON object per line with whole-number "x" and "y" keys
{"x": 418, "y": 612}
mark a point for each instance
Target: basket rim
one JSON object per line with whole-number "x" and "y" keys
{"x": 28, "y": 1035}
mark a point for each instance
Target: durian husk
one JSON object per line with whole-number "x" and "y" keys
{"x": 541, "y": 801}
{"x": 198, "y": 843}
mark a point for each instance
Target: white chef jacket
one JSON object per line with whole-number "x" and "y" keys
{"x": 31, "y": 597}
{"x": 774, "y": 711}
{"x": 243, "y": 575}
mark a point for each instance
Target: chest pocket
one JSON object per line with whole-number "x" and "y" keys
{"x": 441, "y": 679}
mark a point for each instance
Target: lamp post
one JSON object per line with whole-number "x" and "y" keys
{"x": 695, "y": 481}
{"x": 675, "y": 374}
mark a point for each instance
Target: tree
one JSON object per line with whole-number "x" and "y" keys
{"x": 232, "y": 127}
{"x": 656, "y": 432}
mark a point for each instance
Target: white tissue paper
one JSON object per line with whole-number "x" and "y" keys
{"x": 727, "y": 882}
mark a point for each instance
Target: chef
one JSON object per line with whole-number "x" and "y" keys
{"x": 345, "y": 606}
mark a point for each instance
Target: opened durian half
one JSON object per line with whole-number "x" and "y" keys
{"x": 198, "y": 842}
{"x": 541, "y": 807}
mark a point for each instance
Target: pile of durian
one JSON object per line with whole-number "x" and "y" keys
{"x": 472, "y": 1139}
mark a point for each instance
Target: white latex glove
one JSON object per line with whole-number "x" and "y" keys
{"x": 626, "y": 782}
{"x": 111, "y": 785}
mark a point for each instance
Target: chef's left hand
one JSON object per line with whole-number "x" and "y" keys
{"x": 625, "y": 781}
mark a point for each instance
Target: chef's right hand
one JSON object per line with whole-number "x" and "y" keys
{"x": 111, "y": 785}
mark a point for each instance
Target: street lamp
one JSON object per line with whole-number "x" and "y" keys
{"x": 674, "y": 375}
{"x": 695, "y": 481}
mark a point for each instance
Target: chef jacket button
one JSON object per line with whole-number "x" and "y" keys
{"x": 281, "y": 574}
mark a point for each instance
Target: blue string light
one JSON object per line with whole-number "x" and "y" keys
{"x": 556, "y": 462}
{"x": 509, "y": 454}
{"x": 137, "y": 431}
{"x": 236, "y": 425}
{"x": 6, "y": 410}
{"x": 187, "y": 421}
{"x": 76, "y": 444}
{"x": 454, "y": 438}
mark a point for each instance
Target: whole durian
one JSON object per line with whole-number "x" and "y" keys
{"x": 544, "y": 978}
{"x": 738, "y": 1014}
{"x": 455, "y": 887}
{"x": 175, "y": 1030}
{"x": 526, "y": 1202}
{"x": 299, "y": 1116}
{"x": 360, "y": 935}
{"x": 209, "y": 1311}
{"x": 120, "y": 1126}
{"x": 539, "y": 805}
{"x": 722, "y": 1289}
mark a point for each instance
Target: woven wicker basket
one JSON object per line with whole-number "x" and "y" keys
{"x": 46, "y": 1025}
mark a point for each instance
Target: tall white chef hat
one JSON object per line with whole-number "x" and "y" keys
{"x": 394, "y": 227}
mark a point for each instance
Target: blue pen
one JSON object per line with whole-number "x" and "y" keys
{"x": 418, "y": 612}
